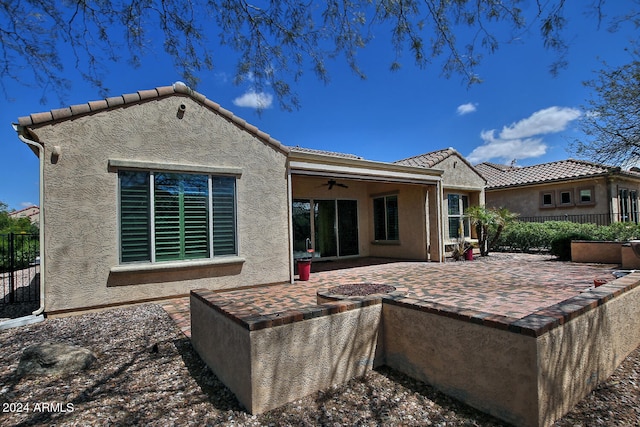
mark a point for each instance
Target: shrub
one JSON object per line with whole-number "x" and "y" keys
{"x": 556, "y": 236}
{"x": 561, "y": 244}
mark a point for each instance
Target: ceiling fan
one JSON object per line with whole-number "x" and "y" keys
{"x": 333, "y": 183}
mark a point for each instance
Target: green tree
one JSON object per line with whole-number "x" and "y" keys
{"x": 276, "y": 40}
{"x": 9, "y": 224}
{"x": 489, "y": 224}
{"x": 25, "y": 247}
{"x": 612, "y": 120}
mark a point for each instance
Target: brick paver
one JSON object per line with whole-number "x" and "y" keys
{"x": 512, "y": 285}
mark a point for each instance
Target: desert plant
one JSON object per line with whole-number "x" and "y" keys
{"x": 489, "y": 224}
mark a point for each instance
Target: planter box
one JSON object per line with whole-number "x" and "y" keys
{"x": 268, "y": 361}
{"x": 528, "y": 371}
{"x": 604, "y": 252}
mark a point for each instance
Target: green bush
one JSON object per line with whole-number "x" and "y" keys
{"x": 556, "y": 236}
{"x": 561, "y": 244}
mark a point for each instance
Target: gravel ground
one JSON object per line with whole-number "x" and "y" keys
{"x": 147, "y": 373}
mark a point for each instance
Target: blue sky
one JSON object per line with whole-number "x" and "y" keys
{"x": 520, "y": 111}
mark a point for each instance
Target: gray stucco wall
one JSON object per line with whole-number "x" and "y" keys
{"x": 81, "y": 201}
{"x": 526, "y": 200}
{"x": 458, "y": 174}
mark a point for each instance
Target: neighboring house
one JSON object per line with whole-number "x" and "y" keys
{"x": 151, "y": 194}
{"x": 32, "y": 212}
{"x": 463, "y": 186}
{"x": 573, "y": 190}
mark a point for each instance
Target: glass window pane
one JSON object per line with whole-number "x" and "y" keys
{"x": 181, "y": 216}
{"x": 392, "y": 218}
{"x": 325, "y": 228}
{"x": 301, "y": 227}
{"x": 224, "y": 216}
{"x": 454, "y": 227}
{"x": 348, "y": 227}
{"x": 379, "y": 225}
{"x": 196, "y": 216}
{"x": 135, "y": 236}
{"x": 585, "y": 196}
{"x": 454, "y": 204}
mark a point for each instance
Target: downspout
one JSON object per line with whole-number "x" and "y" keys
{"x": 41, "y": 152}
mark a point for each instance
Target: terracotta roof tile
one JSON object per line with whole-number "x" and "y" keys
{"x": 115, "y": 101}
{"x": 143, "y": 95}
{"x": 299, "y": 149}
{"x": 427, "y": 160}
{"x": 130, "y": 98}
{"x": 164, "y": 90}
{"x": 61, "y": 113}
{"x": 98, "y": 105}
{"x": 433, "y": 158}
{"x": 501, "y": 176}
{"x": 78, "y": 109}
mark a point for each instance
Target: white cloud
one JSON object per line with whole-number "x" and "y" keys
{"x": 466, "y": 108}
{"x": 549, "y": 120}
{"x": 258, "y": 100}
{"x": 522, "y": 140}
{"x": 27, "y": 205}
{"x": 506, "y": 149}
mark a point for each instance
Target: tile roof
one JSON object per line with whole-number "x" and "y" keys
{"x": 433, "y": 158}
{"x": 501, "y": 176}
{"x": 299, "y": 149}
{"x": 427, "y": 160}
{"x": 177, "y": 88}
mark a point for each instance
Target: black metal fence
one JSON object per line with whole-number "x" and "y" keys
{"x": 598, "y": 219}
{"x": 19, "y": 269}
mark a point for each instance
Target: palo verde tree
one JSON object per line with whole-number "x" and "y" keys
{"x": 612, "y": 119}
{"x": 276, "y": 41}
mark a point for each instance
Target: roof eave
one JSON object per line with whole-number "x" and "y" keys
{"x": 177, "y": 89}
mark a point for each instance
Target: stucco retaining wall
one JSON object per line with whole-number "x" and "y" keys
{"x": 574, "y": 358}
{"x": 268, "y": 361}
{"x": 490, "y": 369}
{"x": 605, "y": 252}
{"x": 528, "y": 372}
{"x": 629, "y": 259}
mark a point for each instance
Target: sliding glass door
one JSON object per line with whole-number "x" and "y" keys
{"x": 334, "y": 224}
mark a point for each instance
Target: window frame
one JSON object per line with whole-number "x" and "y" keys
{"x": 387, "y": 219}
{"x": 592, "y": 196}
{"x": 211, "y": 173}
{"x": 571, "y": 198}
{"x": 461, "y": 216}
{"x": 551, "y": 195}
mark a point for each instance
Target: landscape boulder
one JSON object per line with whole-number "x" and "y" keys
{"x": 54, "y": 359}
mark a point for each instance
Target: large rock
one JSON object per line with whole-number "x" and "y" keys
{"x": 54, "y": 359}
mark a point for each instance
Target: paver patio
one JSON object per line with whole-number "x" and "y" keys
{"x": 510, "y": 285}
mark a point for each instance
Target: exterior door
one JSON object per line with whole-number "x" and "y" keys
{"x": 334, "y": 224}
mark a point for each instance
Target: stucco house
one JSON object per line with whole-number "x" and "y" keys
{"x": 30, "y": 212}
{"x": 573, "y": 190}
{"x": 463, "y": 186}
{"x": 151, "y": 194}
